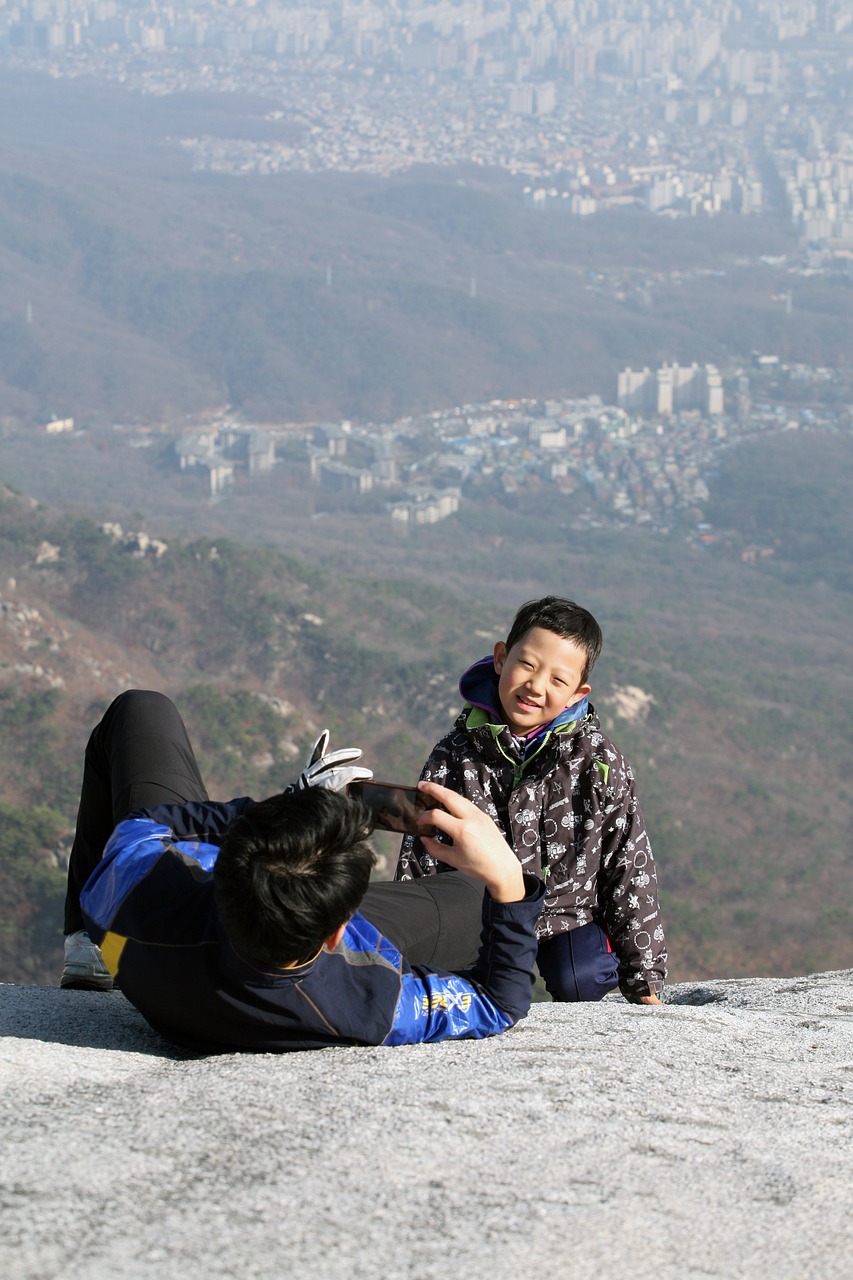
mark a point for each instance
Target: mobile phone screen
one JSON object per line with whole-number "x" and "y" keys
{"x": 393, "y": 807}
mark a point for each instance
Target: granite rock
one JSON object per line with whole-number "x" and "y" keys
{"x": 710, "y": 1137}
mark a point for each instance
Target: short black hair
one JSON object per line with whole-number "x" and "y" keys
{"x": 564, "y": 618}
{"x": 290, "y": 871}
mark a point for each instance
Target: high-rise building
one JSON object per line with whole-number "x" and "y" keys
{"x": 664, "y": 390}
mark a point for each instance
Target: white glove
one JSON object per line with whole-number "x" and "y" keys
{"x": 334, "y": 772}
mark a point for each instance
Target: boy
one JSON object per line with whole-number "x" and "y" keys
{"x": 528, "y": 749}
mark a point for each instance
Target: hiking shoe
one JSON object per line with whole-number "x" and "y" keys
{"x": 84, "y": 968}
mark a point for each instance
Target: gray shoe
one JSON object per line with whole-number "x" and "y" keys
{"x": 84, "y": 968}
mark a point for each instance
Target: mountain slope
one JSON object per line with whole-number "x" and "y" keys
{"x": 728, "y": 688}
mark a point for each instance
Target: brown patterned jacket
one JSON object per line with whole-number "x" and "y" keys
{"x": 571, "y": 813}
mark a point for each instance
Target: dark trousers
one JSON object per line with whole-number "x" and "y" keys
{"x": 579, "y": 965}
{"x": 140, "y": 756}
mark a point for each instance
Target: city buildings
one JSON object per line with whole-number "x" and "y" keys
{"x": 680, "y": 109}
{"x": 646, "y": 460}
{"x": 671, "y": 389}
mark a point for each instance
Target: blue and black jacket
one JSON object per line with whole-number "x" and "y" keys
{"x": 150, "y": 906}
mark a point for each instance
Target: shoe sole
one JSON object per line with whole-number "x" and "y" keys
{"x": 72, "y": 983}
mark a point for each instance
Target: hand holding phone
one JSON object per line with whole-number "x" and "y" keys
{"x": 394, "y": 807}
{"x": 477, "y": 847}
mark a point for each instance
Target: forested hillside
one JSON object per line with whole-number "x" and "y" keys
{"x": 137, "y": 289}
{"x": 727, "y": 684}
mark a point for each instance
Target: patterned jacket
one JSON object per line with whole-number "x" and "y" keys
{"x": 566, "y": 802}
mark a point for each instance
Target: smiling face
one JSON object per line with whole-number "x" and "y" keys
{"x": 540, "y": 676}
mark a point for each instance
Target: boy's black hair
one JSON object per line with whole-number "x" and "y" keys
{"x": 564, "y": 618}
{"x": 289, "y": 871}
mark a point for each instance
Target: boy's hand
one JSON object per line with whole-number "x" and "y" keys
{"x": 650, "y": 999}
{"x": 478, "y": 848}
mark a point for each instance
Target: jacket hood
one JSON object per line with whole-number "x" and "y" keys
{"x": 479, "y": 687}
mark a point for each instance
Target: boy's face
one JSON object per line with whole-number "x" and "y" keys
{"x": 539, "y": 677}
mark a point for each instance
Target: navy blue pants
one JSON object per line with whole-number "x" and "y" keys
{"x": 579, "y": 965}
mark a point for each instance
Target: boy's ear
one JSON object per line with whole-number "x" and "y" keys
{"x": 334, "y": 938}
{"x": 500, "y": 656}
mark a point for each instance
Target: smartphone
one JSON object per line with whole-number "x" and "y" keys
{"x": 393, "y": 807}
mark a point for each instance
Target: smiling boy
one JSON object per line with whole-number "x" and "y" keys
{"x": 529, "y": 750}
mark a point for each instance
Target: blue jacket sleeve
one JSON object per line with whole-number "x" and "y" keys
{"x": 435, "y": 1005}
{"x": 136, "y": 847}
{"x": 204, "y": 819}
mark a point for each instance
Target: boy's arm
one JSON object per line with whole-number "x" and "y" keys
{"x": 137, "y": 846}
{"x": 204, "y": 819}
{"x": 496, "y": 992}
{"x": 629, "y": 900}
{"x": 486, "y": 1000}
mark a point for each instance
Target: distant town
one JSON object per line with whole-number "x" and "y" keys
{"x": 685, "y": 110}
{"x": 646, "y": 458}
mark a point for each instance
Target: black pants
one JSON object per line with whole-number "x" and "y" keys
{"x": 140, "y": 756}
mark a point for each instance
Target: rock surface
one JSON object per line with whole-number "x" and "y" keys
{"x": 710, "y": 1137}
